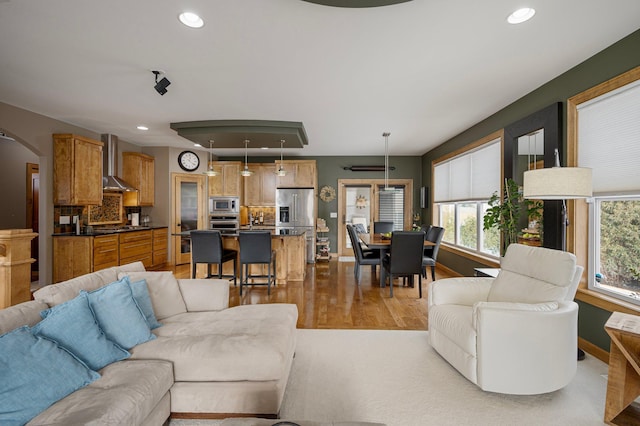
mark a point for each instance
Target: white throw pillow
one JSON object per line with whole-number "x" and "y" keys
{"x": 164, "y": 291}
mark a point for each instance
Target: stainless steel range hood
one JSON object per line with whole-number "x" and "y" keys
{"x": 111, "y": 182}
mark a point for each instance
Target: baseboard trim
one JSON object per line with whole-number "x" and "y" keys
{"x": 214, "y": 416}
{"x": 594, "y": 350}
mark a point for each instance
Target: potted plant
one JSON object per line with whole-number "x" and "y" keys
{"x": 504, "y": 213}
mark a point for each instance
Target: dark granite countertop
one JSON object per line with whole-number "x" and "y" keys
{"x": 108, "y": 231}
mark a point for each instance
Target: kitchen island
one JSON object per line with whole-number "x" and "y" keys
{"x": 290, "y": 251}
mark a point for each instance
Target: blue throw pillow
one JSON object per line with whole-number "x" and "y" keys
{"x": 119, "y": 315}
{"x": 73, "y": 326}
{"x": 35, "y": 373}
{"x": 141, "y": 295}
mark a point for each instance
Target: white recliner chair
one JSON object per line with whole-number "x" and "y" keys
{"x": 516, "y": 333}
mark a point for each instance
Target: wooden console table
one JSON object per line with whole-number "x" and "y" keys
{"x": 623, "y": 385}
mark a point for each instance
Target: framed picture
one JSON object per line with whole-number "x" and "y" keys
{"x": 110, "y": 212}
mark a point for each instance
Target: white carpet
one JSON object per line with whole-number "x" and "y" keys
{"x": 395, "y": 377}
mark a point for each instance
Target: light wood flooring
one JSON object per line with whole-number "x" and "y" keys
{"x": 330, "y": 298}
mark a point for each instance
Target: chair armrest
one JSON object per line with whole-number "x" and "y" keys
{"x": 459, "y": 291}
{"x": 205, "y": 294}
{"x": 536, "y": 344}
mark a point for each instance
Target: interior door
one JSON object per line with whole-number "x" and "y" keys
{"x": 33, "y": 202}
{"x": 356, "y": 206}
{"x": 189, "y": 213}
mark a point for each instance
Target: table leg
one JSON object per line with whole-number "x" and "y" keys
{"x": 383, "y": 276}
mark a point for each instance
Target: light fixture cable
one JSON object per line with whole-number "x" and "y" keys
{"x": 281, "y": 171}
{"x": 386, "y": 160}
{"x": 246, "y": 172}
{"x": 210, "y": 170}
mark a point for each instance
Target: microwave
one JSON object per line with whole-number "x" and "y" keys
{"x": 224, "y": 206}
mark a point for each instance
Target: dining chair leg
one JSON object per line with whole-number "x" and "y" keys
{"x": 234, "y": 272}
{"x": 420, "y": 285}
{"x": 390, "y": 285}
{"x": 433, "y": 273}
{"x": 193, "y": 271}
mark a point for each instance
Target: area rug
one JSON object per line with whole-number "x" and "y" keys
{"x": 395, "y": 377}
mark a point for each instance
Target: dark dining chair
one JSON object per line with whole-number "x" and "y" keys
{"x": 206, "y": 247}
{"x": 430, "y": 257}
{"x": 404, "y": 258}
{"x": 362, "y": 257}
{"x": 255, "y": 248}
{"x": 382, "y": 227}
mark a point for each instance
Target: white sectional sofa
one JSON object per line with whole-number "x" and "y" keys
{"x": 206, "y": 360}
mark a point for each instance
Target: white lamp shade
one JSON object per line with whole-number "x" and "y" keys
{"x": 557, "y": 183}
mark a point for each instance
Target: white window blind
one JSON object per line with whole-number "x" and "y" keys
{"x": 474, "y": 175}
{"x": 609, "y": 139}
{"x": 391, "y": 206}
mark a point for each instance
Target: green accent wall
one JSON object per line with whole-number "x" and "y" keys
{"x": 614, "y": 60}
{"x": 331, "y": 168}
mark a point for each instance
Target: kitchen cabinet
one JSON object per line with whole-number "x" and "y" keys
{"x": 135, "y": 246}
{"x": 260, "y": 188}
{"x": 72, "y": 257}
{"x": 105, "y": 252}
{"x": 138, "y": 170}
{"x": 160, "y": 246}
{"x": 77, "y": 170}
{"x": 300, "y": 174}
{"x": 227, "y": 183}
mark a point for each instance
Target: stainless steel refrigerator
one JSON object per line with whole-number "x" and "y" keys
{"x": 295, "y": 214}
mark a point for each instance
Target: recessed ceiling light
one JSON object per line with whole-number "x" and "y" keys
{"x": 191, "y": 20}
{"x": 521, "y": 15}
{"x": 264, "y": 147}
{"x": 198, "y": 145}
{"x": 141, "y": 127}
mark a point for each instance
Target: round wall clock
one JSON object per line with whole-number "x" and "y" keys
{"x": 327, "y": 193}
{"x": 188, "y": 160}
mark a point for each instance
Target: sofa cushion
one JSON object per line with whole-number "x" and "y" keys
{"x": 118, "y": 314}
{"x": 125, "y": 395}
{"x": 251, "y": 342}
{"x": 533, "y": 275}
{"x": 164, "y": 291}
{"x": 26, "y": 313}
{"x": 72, "y": 325}
{"x": 36, "y": 372}
{"x": 455, "y": 322}
{"x": 141, "y": 295}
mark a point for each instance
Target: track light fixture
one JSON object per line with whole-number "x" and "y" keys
{"x": 161, "y": 86}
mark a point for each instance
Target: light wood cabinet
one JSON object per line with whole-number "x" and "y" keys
{"x": 260, "y": 188}
{"x": 105, "y": 252}
{"x": 135, "y": 246}
{"x": 139, "y": 170}
{"x": 300, "y": 174}
{"x": 72, "y": 257}
{"x": 160, "y": 246}
{"x": 77, "y": 170}
{"x": 227, "y": 183}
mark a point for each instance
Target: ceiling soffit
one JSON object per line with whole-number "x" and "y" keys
{"x": 233, "y": 133}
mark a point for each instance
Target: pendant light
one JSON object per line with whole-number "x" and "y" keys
{"x": 210, "y": 171}
{"x": 386, "y": 161}
{"x": 281, "y": 171}
{"x": 246, "y": 172}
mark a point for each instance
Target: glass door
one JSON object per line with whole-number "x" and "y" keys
{"x": 357, "y": 211}
{"x": 189, "y": 213}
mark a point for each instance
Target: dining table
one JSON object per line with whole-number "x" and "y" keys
{"x": 383, "y": 244}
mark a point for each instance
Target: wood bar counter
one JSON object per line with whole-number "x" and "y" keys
{"x": 291, "y": 259}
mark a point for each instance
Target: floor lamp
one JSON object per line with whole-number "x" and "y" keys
{"x": 559, "y": 183}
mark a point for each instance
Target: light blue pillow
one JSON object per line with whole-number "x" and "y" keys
{"x": 73, "y": 326}
{"x": 119, "y": 315}
{"x": 141, "y": 295}
{"x": 35, "y": 373}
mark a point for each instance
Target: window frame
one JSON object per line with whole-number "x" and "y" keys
{"x": 476, "y": 255}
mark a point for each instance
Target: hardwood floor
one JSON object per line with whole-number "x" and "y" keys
{"x": 330, "y": 298}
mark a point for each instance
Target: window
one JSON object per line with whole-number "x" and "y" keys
{"x": 616, "y": 262}
{"x": 391, "y": 206}
{"x": 608, "y": 127}
{"x": 463, "y": 185}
